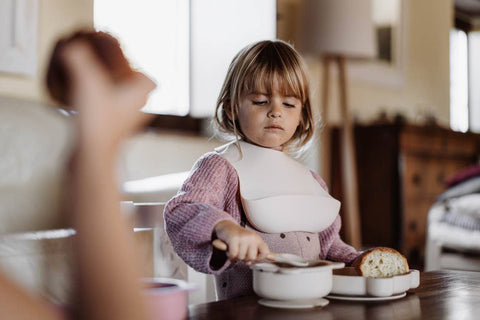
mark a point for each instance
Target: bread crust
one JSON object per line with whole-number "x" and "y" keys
{"x": 362, "y": 259}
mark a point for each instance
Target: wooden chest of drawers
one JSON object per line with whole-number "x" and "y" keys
{"x": 401, "y": 170}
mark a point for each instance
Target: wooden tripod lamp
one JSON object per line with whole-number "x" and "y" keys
{"x": 337, "y": 30}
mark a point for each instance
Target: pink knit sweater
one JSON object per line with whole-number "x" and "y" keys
{"x": 211, "y": 194}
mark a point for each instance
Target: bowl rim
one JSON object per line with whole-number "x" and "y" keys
{"x": 179, "y": 285}
{"x": 274, "y": 268}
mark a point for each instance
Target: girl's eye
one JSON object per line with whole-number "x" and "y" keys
{"x": 289, "y": 105}
{"x": 259, "y": 103}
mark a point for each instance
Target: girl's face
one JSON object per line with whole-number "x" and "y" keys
{"x": 269, "y": 119}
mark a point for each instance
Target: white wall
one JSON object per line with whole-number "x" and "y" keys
{"x": 151, "y": 154}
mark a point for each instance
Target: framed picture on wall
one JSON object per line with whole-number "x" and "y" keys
{"x": 18, "y": 36}
{"x": 388, "y": 68}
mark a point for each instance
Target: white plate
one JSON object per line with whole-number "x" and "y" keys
{"x": 294, "y": 304}
{"x": 347, "y": 283}
{"x": 362, "y": 298}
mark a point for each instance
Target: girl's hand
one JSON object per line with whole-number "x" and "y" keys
{"x": 242, "y": 244}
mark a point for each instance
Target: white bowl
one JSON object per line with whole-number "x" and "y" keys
{"x": 281, "y": 282}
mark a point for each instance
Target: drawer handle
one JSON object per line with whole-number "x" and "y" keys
{"x": 416, "y": 179}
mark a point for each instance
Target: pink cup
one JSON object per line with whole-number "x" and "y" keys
{"x": 167, "y": 298}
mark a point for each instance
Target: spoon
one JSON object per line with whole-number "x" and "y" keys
{"x": 287, "y": 258}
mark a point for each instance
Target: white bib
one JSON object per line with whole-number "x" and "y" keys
{"x": 278, "y": 193}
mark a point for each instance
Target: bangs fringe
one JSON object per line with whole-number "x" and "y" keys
{"x": 270, "y": 67}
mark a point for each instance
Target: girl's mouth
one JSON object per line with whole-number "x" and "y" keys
{"x": 274, "y": 127}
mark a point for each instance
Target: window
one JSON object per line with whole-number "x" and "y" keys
{"x": 458, "y": 80}
{"x": 474, "y": 80}
{"x": 464, "y": 80}
{"x": 155, "y": 38}
{"x": 185, "y": 45}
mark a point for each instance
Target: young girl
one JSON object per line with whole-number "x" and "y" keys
{"x": 251, "y": 194}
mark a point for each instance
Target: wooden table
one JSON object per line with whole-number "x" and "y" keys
{"x": 441, "y": 295}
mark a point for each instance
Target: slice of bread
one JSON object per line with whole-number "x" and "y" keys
{"x": 381, "y": 263}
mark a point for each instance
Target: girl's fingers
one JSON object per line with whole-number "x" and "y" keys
{"x": 252, "y": 253}
{"x": 242, "y": 244}
{"x": 233, "y": 248}
{"x": 243, "y": 249}
{"x": 263, "y": 251}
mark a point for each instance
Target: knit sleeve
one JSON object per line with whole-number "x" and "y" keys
{"x": 332, "y": 247}
{"x": 208, "y": 196}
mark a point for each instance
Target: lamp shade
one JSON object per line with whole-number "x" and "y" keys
{"x": 337, "y": 27}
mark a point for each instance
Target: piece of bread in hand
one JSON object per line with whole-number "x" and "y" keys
{"x": 381, "y": 263}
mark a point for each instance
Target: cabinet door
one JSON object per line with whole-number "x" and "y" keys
{"x": 423, "y": 180}
{"x": 424, "y": 176}
{"x": 413, "y": 229}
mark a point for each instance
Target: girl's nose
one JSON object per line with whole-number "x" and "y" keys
{"x": 275, "y": 111}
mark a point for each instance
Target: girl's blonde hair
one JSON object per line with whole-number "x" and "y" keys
{"x": 254, "y": 69}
